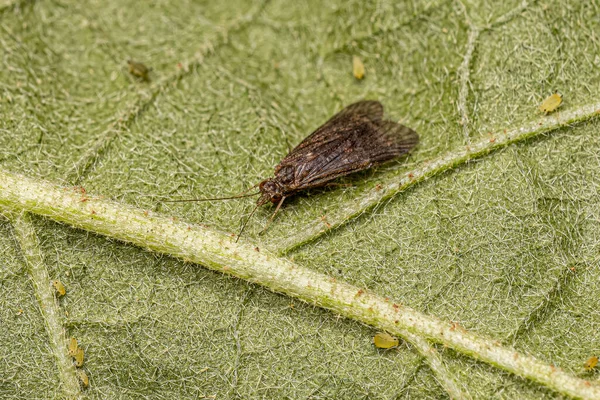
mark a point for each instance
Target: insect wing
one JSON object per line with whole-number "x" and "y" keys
{"x": 353, "y": 140}
{"x": 369, "y": 109}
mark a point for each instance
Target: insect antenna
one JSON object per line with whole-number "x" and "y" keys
{"x": 237, "y": 196}
{"x": 213, "y": 198}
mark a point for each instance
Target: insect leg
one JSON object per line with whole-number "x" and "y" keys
{"x": 274, "y": 213}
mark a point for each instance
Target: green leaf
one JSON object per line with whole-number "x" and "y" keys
{"x": 491, "y": 225}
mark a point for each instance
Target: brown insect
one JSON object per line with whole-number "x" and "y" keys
{"x": 355, "y": 139}
{"x": 139, "y": 70}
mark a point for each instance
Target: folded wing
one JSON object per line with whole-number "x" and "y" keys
{"x": 353, "y": 140}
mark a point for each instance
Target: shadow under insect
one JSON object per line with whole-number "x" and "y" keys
{"x": 355, "y": 139}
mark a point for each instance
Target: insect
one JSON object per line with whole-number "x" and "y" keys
{"x": 59, "y": 287}
{"x": 591, "y": 363}
{"x": 72, "y": 347}
{"x": 551, "y": 103}
{"x": 79, "y": 357}
{"x": 358, "y": 68}
{"x": 139, "y": 70}
{"x": 83, "y": 378}
{"x": 355, "y": 139}
{"x": 384, "y": 340}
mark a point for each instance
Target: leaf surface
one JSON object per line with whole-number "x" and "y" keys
{"x": 506, "y": 245}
